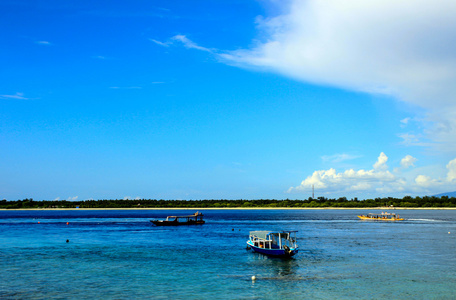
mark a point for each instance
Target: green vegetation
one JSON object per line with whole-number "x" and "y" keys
{"x": 320, "y": 202}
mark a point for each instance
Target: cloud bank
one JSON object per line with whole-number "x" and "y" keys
{"x": 405, "y": 49}
{"x": 378, "y": 179}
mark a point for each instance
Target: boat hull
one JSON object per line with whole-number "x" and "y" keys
{"x": 175, "y": 223}
{"x": 380, "y": 219}
{"x": 273, "y": 252}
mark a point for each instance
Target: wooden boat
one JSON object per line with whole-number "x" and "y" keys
{"x": 384, "y": 216}
{"x": 273, "y": 243}
{"x": 195, "y": 219}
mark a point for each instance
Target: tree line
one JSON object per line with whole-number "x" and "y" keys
{"x": 320, "y": 202}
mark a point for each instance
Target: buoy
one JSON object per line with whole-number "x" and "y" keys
{"x": 38, "y": 222}
{"x": 67, "y": 241}
{"x": 68, "y": 223}
{"x": 449, "y": 232}
{"x": 253, "y": 278}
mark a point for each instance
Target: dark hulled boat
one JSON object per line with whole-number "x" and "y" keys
{"x": 195, "y": 219}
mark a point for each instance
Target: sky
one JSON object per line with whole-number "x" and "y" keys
{"x": 227, "y": 99}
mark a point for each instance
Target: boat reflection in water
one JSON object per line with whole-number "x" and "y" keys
{"x": 195, "y": 219}
{"x": 273, "y": 243}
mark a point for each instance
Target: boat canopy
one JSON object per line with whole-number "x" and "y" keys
{"x": 264, "y": 234}
{"x": 382, "y": 214}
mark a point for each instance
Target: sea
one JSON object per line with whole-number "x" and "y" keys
{"x": 120, "y": 254}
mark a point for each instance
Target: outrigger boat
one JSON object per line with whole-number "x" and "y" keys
{"x": 384, "y": 216}
{"x": 273, "y": 243}
{"x": 195, "y": 219}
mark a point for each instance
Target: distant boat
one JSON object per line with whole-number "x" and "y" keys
{"x": 384, "y": 216}
{"x": 273, "y": 243}
{"x": 195, "y": 219}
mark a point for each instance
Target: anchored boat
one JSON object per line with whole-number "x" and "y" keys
{"x": 195, "y": 219}
{"x": 384, "y": 216}
{"x": 273, "y": 243}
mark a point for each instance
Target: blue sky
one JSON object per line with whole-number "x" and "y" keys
{"x": 227, "y": 99}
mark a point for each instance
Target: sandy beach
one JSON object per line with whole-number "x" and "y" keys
{"x": 246, "y": 208}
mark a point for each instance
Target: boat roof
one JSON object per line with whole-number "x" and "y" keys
{"x": 197, "y": 214}
{"x": 257, "y": 232}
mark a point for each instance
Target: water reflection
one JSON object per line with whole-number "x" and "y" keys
{"x": 271, "y": 268}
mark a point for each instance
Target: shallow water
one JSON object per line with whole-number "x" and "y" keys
{"x": 119, "y": 254}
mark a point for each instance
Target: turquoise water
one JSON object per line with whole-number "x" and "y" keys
{"x": 121, "y": 255}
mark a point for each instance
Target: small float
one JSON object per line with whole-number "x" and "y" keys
{"x": 195, "y": 219}
{"x": 273, "y": 243}
{"x": 384, "y": 216}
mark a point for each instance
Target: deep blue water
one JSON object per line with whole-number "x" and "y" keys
{"x": 119, "y": 254}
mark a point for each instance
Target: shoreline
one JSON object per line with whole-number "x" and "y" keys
{"x": 241, "y": 208}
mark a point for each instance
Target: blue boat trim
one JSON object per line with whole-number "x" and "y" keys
{"x": 274, "y": 243}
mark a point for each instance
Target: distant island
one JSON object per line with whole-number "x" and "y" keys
{"x": 320, "y": 202}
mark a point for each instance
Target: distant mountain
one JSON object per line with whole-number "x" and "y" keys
{"x": 449, "y": 194}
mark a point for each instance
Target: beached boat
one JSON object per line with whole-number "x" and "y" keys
{"x": 273, "y": 243}
{"x": 195, "y": 219}
{"x": 384, "y": 216}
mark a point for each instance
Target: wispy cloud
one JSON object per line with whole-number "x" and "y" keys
{"x": 184, "y": 41}
{"x": 378, "y": 180}
{"x": 125, "y": 87}
{"x": 189, "y": 44}
{"x": 164, "y": 44}
{"x": 73, "y": 198}
{"x": 18, "y": 96}
{"x": 43, "y": 43}
{"x": 336, "y": 158}
{"x": 405, "y": 121}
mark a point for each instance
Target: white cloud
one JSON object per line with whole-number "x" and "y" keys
{"x": 381, "y": 162}
{"x": 451, "y": 176}
{"x": 425, "y": 181}
{"x": 350, "y": 180}
{"x": 447, "y": 182}
{"x": 73, "y": 198}
{"x": 408, "y": 161}
{"x": 378, "y": 180}
{"x": 406, "y": 49}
